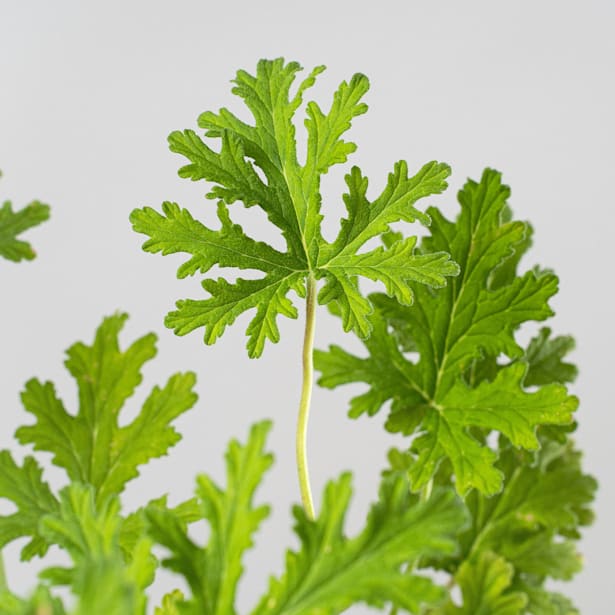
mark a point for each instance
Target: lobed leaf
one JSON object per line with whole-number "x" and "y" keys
{"x": 13, "y": 223}
{"x": 453, "y": 391}
{"x": 90, "y": 445}
{"x": 25, "y": 488}
{"x": 212, "y": 572}
{"x": 258, "y": 165}
{"x": 332, "y": 572}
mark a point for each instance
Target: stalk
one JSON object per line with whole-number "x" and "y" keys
{"x": 306, "y": 396}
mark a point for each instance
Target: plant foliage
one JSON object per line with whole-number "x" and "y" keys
{"x": 258, "y": 165}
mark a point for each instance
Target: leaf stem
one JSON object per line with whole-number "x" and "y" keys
{"x": 306, "y": 396}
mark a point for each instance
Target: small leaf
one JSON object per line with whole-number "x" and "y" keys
{"x": 13, "y": 223}
{"x": 25, "y": 487}
{"x": 90, "y": 445}
{"x": 485, "y": 586}
{"x": 212, "y": 572}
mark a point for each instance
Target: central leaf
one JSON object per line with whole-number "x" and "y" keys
{"x": 257, "y": 164}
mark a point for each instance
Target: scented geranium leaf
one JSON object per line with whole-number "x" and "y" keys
{"x": 90, "y": 445}
{"x": 134, "y": 526}
{"x": 13, "y": 223}
{"x": 90, "y": 532}
{"x": 534, "y": 522}
{"x": 331, "y": 572}
{"x": 485, "y": 586}
{"x": 40, "y": 603}
{"x": 544, "y": 356}
{"x": 543, "y": 602}
{"x": 212, "y": 572}
{"x": 104, "y": 589}
{"x": 228, "y": 301}
{"x": 551, "y": 495}
{"x": 257, "y": 164}
{"x": 26, "y": 489}
{"x": 541, "y": 556}
{"x": 450, "y": 390}
{"x": 169, "y": 604}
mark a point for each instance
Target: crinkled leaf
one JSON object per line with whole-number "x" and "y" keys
{"x": 169, "y": 604}
{"x": 439, "y": 395}
{"x": 90, "y": 445}
{"x": 533, "y": 522}
{"x": 485, "y": 586}
{"x": 544, "y": 356}
{"x": 543, "y": 602}
{"x": 257, "y": 164}
{"x": 90, "y": 533}
{"x": 212, "y": 572}
{"x": 13, "y": 223}
{"x": 331, "y": 572}
{"x": 25, "y": 488}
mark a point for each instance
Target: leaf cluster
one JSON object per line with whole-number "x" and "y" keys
{"x": 483, "y": 415}
{"x": 489, "y": 492}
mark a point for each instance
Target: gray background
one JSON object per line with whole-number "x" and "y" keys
{"x": 90, "y": 91}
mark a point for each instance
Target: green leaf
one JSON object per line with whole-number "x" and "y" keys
{"x": 40, "y": 603}
{"x": 212, "y": 572}
{"x": 332, "y": 572}
{"x": 90, "y": 533}
{"x": 25, "y": 488}
{"x": 90, "y": 445}
{"x": 13, "y": 223}
{"x": 169, "y": 604}
{"x": 485, "y": 587}
{"x": 453, "y": 392}
{"x": 544, "y": 357}
{"x": 257, "y": 164}
{"x": 543, "y": 602}
{"x": 541, "y": 506}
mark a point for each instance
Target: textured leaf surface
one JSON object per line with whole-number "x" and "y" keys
{"x": 258, "y": 165}
{"x": 13, "y": 223}
{"x": 455, "y": 391}
{"x": 485, "y": 586}
{"x": 90, "y": 445}
{"x": 90, "y": 533}
{"x": 25, "y": 488}
{"x": 212, "y": 572}
{"x": 332, "y": 572}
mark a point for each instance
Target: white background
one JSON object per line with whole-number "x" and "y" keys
{"x": 90, "y": 91}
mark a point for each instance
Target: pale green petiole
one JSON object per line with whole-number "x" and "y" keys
{"x": 306, "y": 395}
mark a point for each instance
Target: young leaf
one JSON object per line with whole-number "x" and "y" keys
{"x": 332, "y": 572}
{"x": 439, "y": 396}
{"x": 40, "y": 603}
{"x": 90, "y": 533}
{"x": 24, "y": 487}
{"x": 212, "y": 572}
{"x": 535, "y": 520}
{"x": 485, "y": 585}
{"x": 90, "y": 445}
{"x": 258, "y": 165}
{"x": 544, "y": 356}
{"x": 13, "y": 223}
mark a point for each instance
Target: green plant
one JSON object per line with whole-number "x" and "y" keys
{"x": 490, "y": 490}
